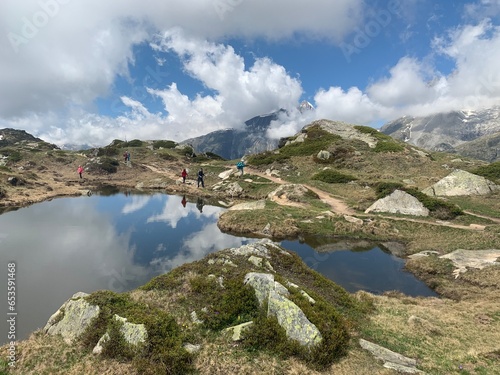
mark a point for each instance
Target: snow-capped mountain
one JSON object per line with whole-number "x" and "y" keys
{"x": 450, "y": 131}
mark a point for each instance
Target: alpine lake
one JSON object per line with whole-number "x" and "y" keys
{"x": 120, "y": 240}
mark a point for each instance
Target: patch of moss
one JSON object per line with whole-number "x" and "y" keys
{"x": 333, "y": 177}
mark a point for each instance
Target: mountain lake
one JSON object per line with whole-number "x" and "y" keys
{"x": 119, "y": 241}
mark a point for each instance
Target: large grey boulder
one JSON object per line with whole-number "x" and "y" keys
{"x": 72, "y": 318}
{"x": 461, "y": 182}
{"x": 399, "y": 202}
{"x": 293, "y": 320}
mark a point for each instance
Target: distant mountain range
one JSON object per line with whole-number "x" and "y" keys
{"x": 233, "y": 143}
{"x": 475, "y": 134}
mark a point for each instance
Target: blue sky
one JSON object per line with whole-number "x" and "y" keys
{"x": 87, "y": 72}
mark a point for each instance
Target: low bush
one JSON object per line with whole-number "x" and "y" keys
{"x": 388, "y": 146}
{"x": 233, "y": 305}
{"x": 490, "y": 171}
{"x": 266, "y": 158}
{"x": 164, "y": 144}
{"x": 163, "y": 353}
{"x": 133, "y": 143}
{"x": 333, "y": 177}
{"x": 383, "y": 189}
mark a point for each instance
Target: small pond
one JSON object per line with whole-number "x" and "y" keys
{"x": 121, "y": 241}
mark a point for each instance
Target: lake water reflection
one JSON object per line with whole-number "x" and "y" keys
{"x": 116, "y": 242}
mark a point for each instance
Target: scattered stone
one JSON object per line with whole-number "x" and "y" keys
{"x": 191, "y": 348}
{"x": 236, "y": 331}
{"x": 308, "y": 297}
{"x": 256, "y": 261}
{"x": 194, "y": 318}
{"x": 72, "y": 318}
{"x": 399, "y": 202}
{"x": 354, "y": 220}
{"x": 256, "y": 205}
{"x": 226, "y": 174}
{"x": 268, "y": 266}
{"x": 324, "y": 155}
{"x": 391, "y": 359}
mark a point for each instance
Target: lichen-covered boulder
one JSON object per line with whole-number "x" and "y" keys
{"x": 72, "y": 318}
{"x": 399, "y": 202}
{"x": 290, "y": 317}
{"x": 293, "y": 320}
{"x": 461, "y": 182}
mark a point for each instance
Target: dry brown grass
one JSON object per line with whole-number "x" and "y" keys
{"x": 441, "y": 334}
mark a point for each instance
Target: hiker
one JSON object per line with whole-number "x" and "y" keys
{"x": 128, "y": 156}
{"x": 183, "y": 201}
{"x": 80, "y": 170}
{"x": 184, "y": 175}
{"x": 240, "y": 165}
{"x": 201, "y": 176}
{"x": 200, "y": 204}
{"x": 125, "y": 156}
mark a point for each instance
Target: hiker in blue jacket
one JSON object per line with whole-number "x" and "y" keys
{"x": 201, "y": 177}
{"x": 240, "y": 165}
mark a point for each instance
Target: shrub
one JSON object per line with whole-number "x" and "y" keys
{"x": 164, "y": 144}
{"x": 108, "y": 151}
{"x": 166, "y": 156}
{"x": 388, "y": 146}
{"x": 233, "y": 305}
{"x": 383, "y": 189}
{"x": 133, "y": 143}
{"x": 265, "y": 158}
{"x": 163, "y": 354}
{"x": 333, "y": 177}
{"x": 490, "y": 171}
{"x": 438, "y": 208}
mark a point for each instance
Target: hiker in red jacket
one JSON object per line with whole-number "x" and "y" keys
{"x": 80, "y": 170}
{"x": 184, "y": 175}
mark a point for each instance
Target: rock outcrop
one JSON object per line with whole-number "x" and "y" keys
{"x": 293, "y": 320}
{"x": 391, "y": 359}
{"x": 461, "y": 183}
{"x": 399, "y": 202}
{"x": 72, "y": 318}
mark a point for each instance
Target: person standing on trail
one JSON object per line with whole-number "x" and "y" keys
{"x": 201, "y": 177}
{"x": 80, "y": 171}
{"x": 125, "y": 156}
{"x": 184, "y": 175}
{"x": 240, "y": 165}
